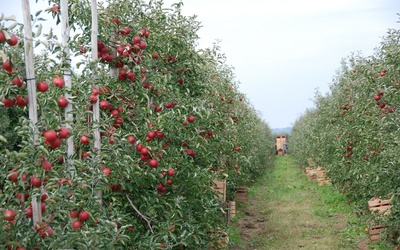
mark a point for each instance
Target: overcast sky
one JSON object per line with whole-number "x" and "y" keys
{"x": 284, "y": 50}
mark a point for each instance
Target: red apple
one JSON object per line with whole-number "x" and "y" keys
{"x": 153, "y": 163}
{"x": 35, "y": 181}
{"x": 22, "y": 101}
{"x": 18, "y": 81}
{"x": 107, "y": 171}
{"x": 2, "y": 37}
{"x": 131, "y": 139}
{"x": 63, "y": 132}
{"x": 62, "y": 102}
{"x": 13, "y": 40}
{"x": 84, "y": 215}
{"x": 10, "y": 214}
{"x": 8, "y": 103}
{"x": 7, "y": 66}
{"x": 171, "y": 172}
{"x": 50, "y": 135}
{"x": 73, "y": 214}
{"x": 84, "y": 139}
{"x": 58, "y": 81}
{"x": 76, "y": 224}
{"x": 191, "y": 118}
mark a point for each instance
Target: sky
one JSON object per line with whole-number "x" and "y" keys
{"x": 284, "y": 51}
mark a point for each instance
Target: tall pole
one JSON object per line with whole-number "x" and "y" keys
{"x": 65, "y": 35}
{"x": 31, "y": 85}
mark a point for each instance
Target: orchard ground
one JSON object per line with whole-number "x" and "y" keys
{"x": 286, "y": 211}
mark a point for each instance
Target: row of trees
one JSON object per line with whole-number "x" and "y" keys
{"x": 353, "y": 130}
{"x": 133, "y": 124}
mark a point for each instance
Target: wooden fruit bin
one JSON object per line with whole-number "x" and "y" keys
{"x": 311, "y": 174}
{"x": 221, "y": 243}
{"x": 322, "y": 178}
{"x": 220, "y": 189}
{"x": 232, "y": 209}
{"x": 242, "y": 194}
{"x": 380, "y": 206}
{"x": 375, "y": 232}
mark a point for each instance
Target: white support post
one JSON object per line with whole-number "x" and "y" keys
{"x": 31, "y": 85}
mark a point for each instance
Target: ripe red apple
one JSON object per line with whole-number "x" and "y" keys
{"x": 58, "y": 81}
{"x": 7, "y": 66}
{"x": 237, "y": 149}
{"x": 8, "y": 103}
{"x": 13, "y": 40}
{"x": 124, "y": 31}
{"x": 136, "y": 40}
{"x": 10, "y": 214}
{"x": 84, "y": 139}
{"x": 115, "y": 20}
{"x": 63, "y": 132}
{"x": 2, "y": 37}
{"x": 143, "y": 45}
{"x": 22, "y": 101}
{"x": 171, "y": 172}
{"x": 50, "y": 135}
{"x": 84, "y": 215}
{"x": 44, "y": 230}
{"x": 35, "y": 181}
{"x": 29, "y": 212}
{"x": 154, "y": 55}
{"x": 17, "y": 81}
{"x": 153, "y": 163}
{"x": 55, "y": 143}
{"x": 13, "y": 176}
{"x": 131, "y": 139}
{"x": 151, "y": 134}
{"x": 73, "y": 214}
{"x": 104, "y": 104}
{"x": 169, "y": 182}
{"x": 377, "y": 97}
{"x": 93, "y": 99}
{"x": 107, "y": 171}
{"x": 62, "y": 102}
{"x": 76, "y": 224}
{"x": 144, "y": 151}
{"x": 46, "y": 165}
{"x": 191, "y": 118}
{"x": 139, "y": 147}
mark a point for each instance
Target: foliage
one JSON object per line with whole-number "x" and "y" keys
{"x": 171, "y": 121}
{"x": 353, "y": 131}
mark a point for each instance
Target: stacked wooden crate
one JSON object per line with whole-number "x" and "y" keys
{"x": 379, "y": 208}
{"x": 322, "y": 178}
{"x": 311, "y": 174}
{"x": 220, "y": 189}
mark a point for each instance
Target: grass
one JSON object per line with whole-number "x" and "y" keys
{"x": 286, "y": 211}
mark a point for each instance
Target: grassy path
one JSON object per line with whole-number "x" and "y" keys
{"x": 286, "y": 211}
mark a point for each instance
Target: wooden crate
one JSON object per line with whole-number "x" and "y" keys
{"x": 220, "y": 189}
{"x": 380, "y": 206}
{"x": 322, "y": 178}
{"x": 311, "y": 174}
{"x": 375, "y": 232}
{"x": 241, "y": 194}
{"x": 232, "y": 209}
{"x": 222, "y": 241}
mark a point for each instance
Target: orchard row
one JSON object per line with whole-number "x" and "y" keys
{"x": 126, "y": 152}
{"x": 353, "y": 131}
